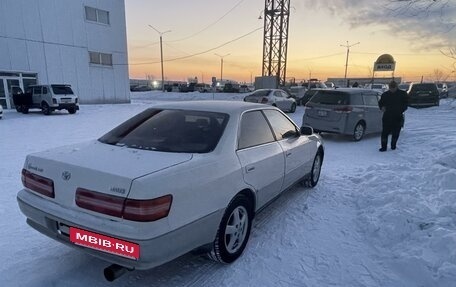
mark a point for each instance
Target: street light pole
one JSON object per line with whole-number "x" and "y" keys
{"x": 221, "y": 65}
{"x": 348, "y": 53}
{"x": 161, "y": 55}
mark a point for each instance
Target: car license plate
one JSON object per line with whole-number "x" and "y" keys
{"x": 104, "y": 243}
{"x": 65, "y": 101}
{"x": 322, "y": 113}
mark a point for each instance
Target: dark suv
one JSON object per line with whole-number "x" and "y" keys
{"x": 423, "y": 95}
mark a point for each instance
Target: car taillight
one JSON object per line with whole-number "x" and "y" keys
{"x": 37, "y": 183}
{"x": 147, "y": 210}
{"x": 130, "y": 209}
{"x": 343, "y": 109}
{"x": 99, "y": 202}
{"x": 54, "y": 101}
{"x": 264, "y": 100}
{"x": 76, "y": 100}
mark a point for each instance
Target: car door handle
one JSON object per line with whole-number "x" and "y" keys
{"x": 288, "y": 153}
{"x": 250, "y": 169}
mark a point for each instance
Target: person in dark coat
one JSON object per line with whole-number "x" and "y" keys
{"x": 393, "y": 103}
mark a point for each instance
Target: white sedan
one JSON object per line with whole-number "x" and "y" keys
{"x": 274, "y": 97}
{"x": 174, "y": 178}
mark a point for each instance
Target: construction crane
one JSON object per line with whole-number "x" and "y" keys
{"x": 275, "y": 41}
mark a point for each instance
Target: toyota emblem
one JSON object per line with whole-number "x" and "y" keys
{"x": 66, "y": 175}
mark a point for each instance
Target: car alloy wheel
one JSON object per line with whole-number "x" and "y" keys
{"x": 359, "y": 132}
{"x": 234, "y": 230}
{"x": 315, "y": 171}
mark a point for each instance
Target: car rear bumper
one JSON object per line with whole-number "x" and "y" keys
{"x": 153, "y": 252}
{"x": 321, "y": 125}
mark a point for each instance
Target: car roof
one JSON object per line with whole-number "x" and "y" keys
{"x": 229, "y": 107}
{"x": 349, "y": 90}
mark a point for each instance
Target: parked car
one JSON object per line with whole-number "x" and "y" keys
{"x": 202, "y": 88}
{"x": 297, "y": 93}
{"x": 231, "y": 88}
{"x": 443, "y": 90}
{"x": 381, "y": 88}
{"x": 330, "y": 85}
{"x": 48, "y": 98}
{"x": 423, "y": 95}
{"x": 140, "y": 88}
{"x": 274, "y": 97}
{"x": 349, "y": 111}
{"x": 197, "y": 174}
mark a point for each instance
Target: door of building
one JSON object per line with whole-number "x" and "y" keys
{"x": 10, "y": 83}
{"x": 6, "y": 93}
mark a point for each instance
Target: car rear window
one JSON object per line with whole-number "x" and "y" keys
{"x": 62, "y": 90}
{"x": 180, "y": 131}
{"x": 261, "y": 93}
{"x": 330, "y": 98}
{"x": 424, "y": 88}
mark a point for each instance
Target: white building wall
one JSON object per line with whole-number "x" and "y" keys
{"x": 53, "y": 38}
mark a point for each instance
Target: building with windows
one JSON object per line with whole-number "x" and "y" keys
{"x": 78, "y": 42}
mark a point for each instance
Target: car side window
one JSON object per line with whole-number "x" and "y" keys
{"x": 278, "y": 94}
{"x": 45, "y": 91}
{"x": 280, "y": 124}
{"x": 370, "y": 100}
{"x": 285, "y": 95}
{"x": 254, "y": 131}
{"x": 356, "y": 100}
{"x": 37, "y": 90}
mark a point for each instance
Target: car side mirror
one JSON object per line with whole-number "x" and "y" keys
{"x": 291, "y": 134}
{"x": 307, "y": 131}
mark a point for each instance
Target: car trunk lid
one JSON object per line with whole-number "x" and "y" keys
{"x": 97, "y": 167}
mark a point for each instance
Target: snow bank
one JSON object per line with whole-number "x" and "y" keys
{"x": 407, "y": 208}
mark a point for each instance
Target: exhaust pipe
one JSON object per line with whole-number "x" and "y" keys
{"x": 114, "y": 271}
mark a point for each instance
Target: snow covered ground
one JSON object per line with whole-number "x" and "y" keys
{"x": 375, "y": 219}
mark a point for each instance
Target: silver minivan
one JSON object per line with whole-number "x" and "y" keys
{"x": 346, "y": 111}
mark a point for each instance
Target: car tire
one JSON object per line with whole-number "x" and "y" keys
{"x": 19, "y": 108}
{"x": 234, "y": 231}
{"x": 24, "y": 109}
{"x": 293, "y": 108}
{"x": 316, "y": 170}
{"x": 72, "y": 110}
{"x": 359, "y": 131}
{"x": 46, "y": 109}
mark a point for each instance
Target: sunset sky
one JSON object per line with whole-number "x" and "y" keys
{"x": 415, "y": 36}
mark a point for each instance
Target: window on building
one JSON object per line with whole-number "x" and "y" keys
{"x": 97, "y": 15}
{"x": 106, "y": 59}
{"x": 100, "y": 58}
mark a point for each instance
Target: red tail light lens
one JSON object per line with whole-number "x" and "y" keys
{"x": 99, "y": 202}
{"x": 344, "y": 109}
{"x": 147, "y": 210}
{"x": 37, "y": 183}
{"x": 130, "y": 209}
